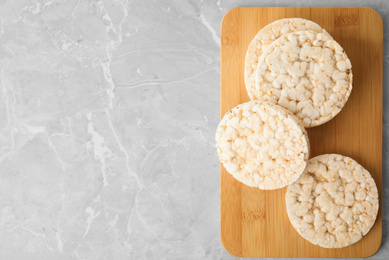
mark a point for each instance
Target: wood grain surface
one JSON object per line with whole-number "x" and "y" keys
{"x": 254, "y": 223}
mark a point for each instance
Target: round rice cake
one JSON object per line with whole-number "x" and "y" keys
{"x": 264, "y": 38}
{"x": 334, "y": 202}
{"x": 262, "y": 145}
{"x": 307, "y": 73}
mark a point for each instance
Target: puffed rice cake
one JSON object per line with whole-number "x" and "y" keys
{"x": 307, "y": 73}
{"x": 264, "y": 38}
{"x": 262, "y": 145}
{"x": 334, "y": 202}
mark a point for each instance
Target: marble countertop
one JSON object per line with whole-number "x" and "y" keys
{"x": 108, "y": 111}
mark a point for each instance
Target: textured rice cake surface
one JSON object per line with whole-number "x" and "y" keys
{"x": 307, "y": 73}
{"x": 264, "y": 38}
{"x": 334, "y": 202}
{"x": 262, "y": 145}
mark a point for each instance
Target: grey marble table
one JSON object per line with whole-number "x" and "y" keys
{"x": 107, "y": 117}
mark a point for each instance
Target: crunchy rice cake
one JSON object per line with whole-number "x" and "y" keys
{"x": 262, "y": 145}
{"x": 334, "y": 202}
{"x": 307, "y": 73}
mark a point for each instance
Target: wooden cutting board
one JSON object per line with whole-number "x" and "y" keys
{"x": 254, "y": 223}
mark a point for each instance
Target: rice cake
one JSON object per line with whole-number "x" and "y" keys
{"x": 307, "y": 73}
{"x": 264, "y": 38}
{"x": 334, "y": 202}
{"x": 262, "y": 145}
